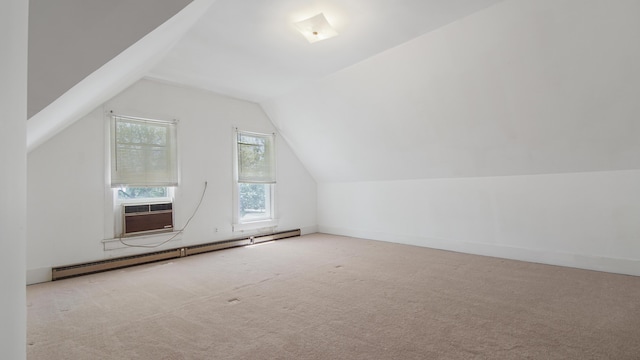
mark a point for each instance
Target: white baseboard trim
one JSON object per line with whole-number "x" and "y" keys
{"x": 581, "y": 261}
{"x": 39, "y": 275}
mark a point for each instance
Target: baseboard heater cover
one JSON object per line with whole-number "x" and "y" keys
{"x": 63, "y": 272}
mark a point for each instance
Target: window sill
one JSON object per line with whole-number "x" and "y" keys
{"x": 142, "y": 241}
{"x": 255, "y": 225}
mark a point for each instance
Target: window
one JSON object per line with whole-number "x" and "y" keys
{"x": 143, "y": 162}
{"x": 143, "y": 153}
{"x": 256, "y": 176}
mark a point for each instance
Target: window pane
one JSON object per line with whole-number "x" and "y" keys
{"x": 127, "y": 193}
{"x": 143, "y": 153}
{"x": 255, "y": 202}
{"x": 256, "y": 161}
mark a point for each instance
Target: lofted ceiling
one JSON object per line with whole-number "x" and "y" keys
{"x": 521, "y": 88}
{"x": 251, "y": 50}
{"x": 79, "y": 53}
{"x": 69, "y": 39}
{"x": 409, "y": 88}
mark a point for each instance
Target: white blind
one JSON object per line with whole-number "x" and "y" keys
{"x": 256, "y": 158}
{"x": 143, "y": 152}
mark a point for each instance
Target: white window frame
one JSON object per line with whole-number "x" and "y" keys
{"x": 258, "y": 224}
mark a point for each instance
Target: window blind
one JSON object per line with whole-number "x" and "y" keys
{"x": 256, "y": 158}
{"x": 143, "y": 152}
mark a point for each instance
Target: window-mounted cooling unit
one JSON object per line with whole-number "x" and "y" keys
{"x": 142, "y": 219}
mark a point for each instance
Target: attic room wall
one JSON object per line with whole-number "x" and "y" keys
{"x": 586, "y": 220}
{"x": 512, "y": 132}
{"x": 68, "y": 207}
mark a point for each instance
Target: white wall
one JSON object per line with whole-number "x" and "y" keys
{"x": 411, "y": 144}
{"x": 13, "y": 180}
{"x": 586, "y": 220}
{"x": 69, "y": 203}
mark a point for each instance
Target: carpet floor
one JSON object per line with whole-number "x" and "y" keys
{"x": 330, "y": 297}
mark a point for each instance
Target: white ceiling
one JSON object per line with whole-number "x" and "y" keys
{"x": 523, "y": 87}
{"x": 250, "y": 49}
{"x": 247, "y": 49}
{"x": 438, "y": 88}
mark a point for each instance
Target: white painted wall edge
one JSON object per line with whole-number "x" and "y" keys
{"x": 113, "y": 77}
{"x": 588, "y": 262}
{"x": 13, "y": 181}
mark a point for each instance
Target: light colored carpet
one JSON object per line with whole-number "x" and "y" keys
{"x": 330, "y": 297}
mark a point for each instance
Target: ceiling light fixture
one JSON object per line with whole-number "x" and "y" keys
{"x": 316, "y": 28}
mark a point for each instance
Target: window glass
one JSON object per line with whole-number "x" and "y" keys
{"x": 256, "y": 176}
{"x": 256, "y": 163}
{"x": 255, "y": 202}
{"x": 138, "y": 193}
{"x": 143, "y": 153}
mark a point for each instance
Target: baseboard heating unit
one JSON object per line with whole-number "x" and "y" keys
{"x": 63, "y": 272}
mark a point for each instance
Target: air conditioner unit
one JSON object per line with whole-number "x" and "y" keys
{"x": 139, "y": 219}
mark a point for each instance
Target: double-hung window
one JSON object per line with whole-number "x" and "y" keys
{"x": 143, "y": 172}
{"x": 143, "y": 158}
{"x": 256, "y": 176}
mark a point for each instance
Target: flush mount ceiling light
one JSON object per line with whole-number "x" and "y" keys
{"x": 316, "y": 28}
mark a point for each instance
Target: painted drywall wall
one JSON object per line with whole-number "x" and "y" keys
{"x": 13, "y": 180}
{"x": 543, "y": 93}
{"x": 69, "y": 203}
{"x": 585, "y": 220}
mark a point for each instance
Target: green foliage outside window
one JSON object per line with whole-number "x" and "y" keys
{"x": 142, "y": 193}
{"x": 252, "y": 198}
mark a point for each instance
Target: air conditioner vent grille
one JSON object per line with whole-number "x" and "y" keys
{"x": 141, "y": 219}
{"x": 131, "y": 209}
{"x": 160, "y": 207}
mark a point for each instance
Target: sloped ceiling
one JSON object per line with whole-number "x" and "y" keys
{"x": 250, "y": 49}
{"x": 246, "y": 49}
{"x": 69, "y": 39}
{"x": 116, "y": 75}
{"x": 428, "y": 89}
{"x": 524, "y": 87}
